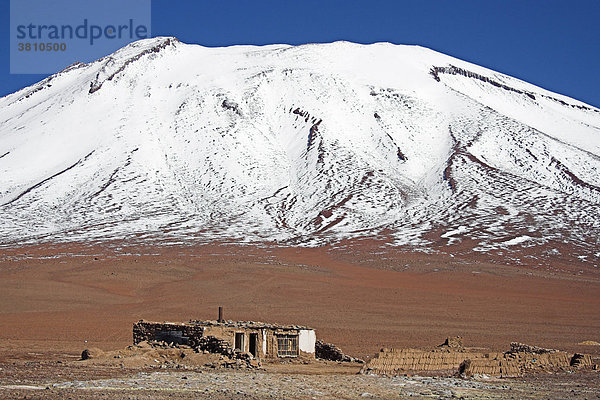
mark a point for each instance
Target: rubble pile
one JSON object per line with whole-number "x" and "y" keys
{"x": 455, "y": 342}
{"x": 516, "y": 347}
{"x": 329, "y": 351}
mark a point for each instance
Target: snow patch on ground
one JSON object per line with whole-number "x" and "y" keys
{"x": 517, "y": 240}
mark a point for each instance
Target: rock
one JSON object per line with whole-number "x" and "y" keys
{"x": 91, "y": 353}
{"x": 581, "y": 360}
{"x": 455, "y": 342}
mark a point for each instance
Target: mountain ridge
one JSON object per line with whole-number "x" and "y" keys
{"x": 306, "y": 145}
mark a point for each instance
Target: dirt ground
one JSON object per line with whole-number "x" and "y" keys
{"x": 70, "y": 380}
{"x": 57, "y": 300}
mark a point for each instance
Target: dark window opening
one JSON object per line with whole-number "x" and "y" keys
{"x": 172, "y": 337}
{"x": 287, "y": 345}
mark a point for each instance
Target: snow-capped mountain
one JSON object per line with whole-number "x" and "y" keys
{"x": 297, "y": 144}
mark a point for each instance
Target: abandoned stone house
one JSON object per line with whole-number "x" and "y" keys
{"x": 262, "y": 340}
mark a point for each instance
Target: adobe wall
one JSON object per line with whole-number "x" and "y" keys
{"x": 445, "y": 359}
{"x": 399, "y": 361}
{"x": 271, "y": 343}
{"x": 518, "y": 363}
{"x": 266, "y": 339}
{"x": 227, "y": 333}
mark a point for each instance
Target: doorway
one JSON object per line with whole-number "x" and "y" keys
{"x": 239, "y": 341}
{"x": 252, "y": 344}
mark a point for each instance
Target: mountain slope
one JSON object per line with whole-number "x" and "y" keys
{"x": 305, "y": 145}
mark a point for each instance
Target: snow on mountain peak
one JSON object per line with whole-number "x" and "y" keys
{"x": 297, "y": 144}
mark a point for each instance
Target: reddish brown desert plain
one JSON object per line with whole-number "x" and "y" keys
{"x": 57, "y": 300}
{"x": 60, "y": 299}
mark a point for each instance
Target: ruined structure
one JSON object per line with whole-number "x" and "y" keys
{"x": 258, "y": 339}
{"x": 452, "y": 357}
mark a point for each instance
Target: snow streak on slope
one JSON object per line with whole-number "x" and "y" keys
{"x": 308, "y": 144}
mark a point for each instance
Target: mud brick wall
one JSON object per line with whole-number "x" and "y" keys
{"x": 399, "y": 361}
{"x": 169, "y": 332}
{"x": 521, "y": 359}
{"x": 491, "y": 366}
{"x": 516, "y": 364}
{"x": 548, "y": 361}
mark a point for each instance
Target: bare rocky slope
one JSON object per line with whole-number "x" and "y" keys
{"x": 300, "y": 145}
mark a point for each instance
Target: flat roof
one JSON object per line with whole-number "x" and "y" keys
{"x": 234, "y": 324}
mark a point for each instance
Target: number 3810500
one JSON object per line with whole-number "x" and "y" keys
{"x": 42, "y": 46}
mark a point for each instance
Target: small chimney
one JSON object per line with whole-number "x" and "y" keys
{"x": 220, "y": 315}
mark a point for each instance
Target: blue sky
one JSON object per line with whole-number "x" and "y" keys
{"x": 553, "y": 44}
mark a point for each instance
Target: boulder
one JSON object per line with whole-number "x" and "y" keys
{"x": 91, "y": 353}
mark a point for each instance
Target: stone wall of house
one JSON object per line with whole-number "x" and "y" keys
{"x": 227, "y": 333}
{"x": 272, "y": 342}
{"x": 167, "y": 332}
{"x": 215, "y": 345}
{"x": 223, "y": 336}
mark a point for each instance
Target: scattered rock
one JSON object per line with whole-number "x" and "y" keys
{"x": 516, "y": 347}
